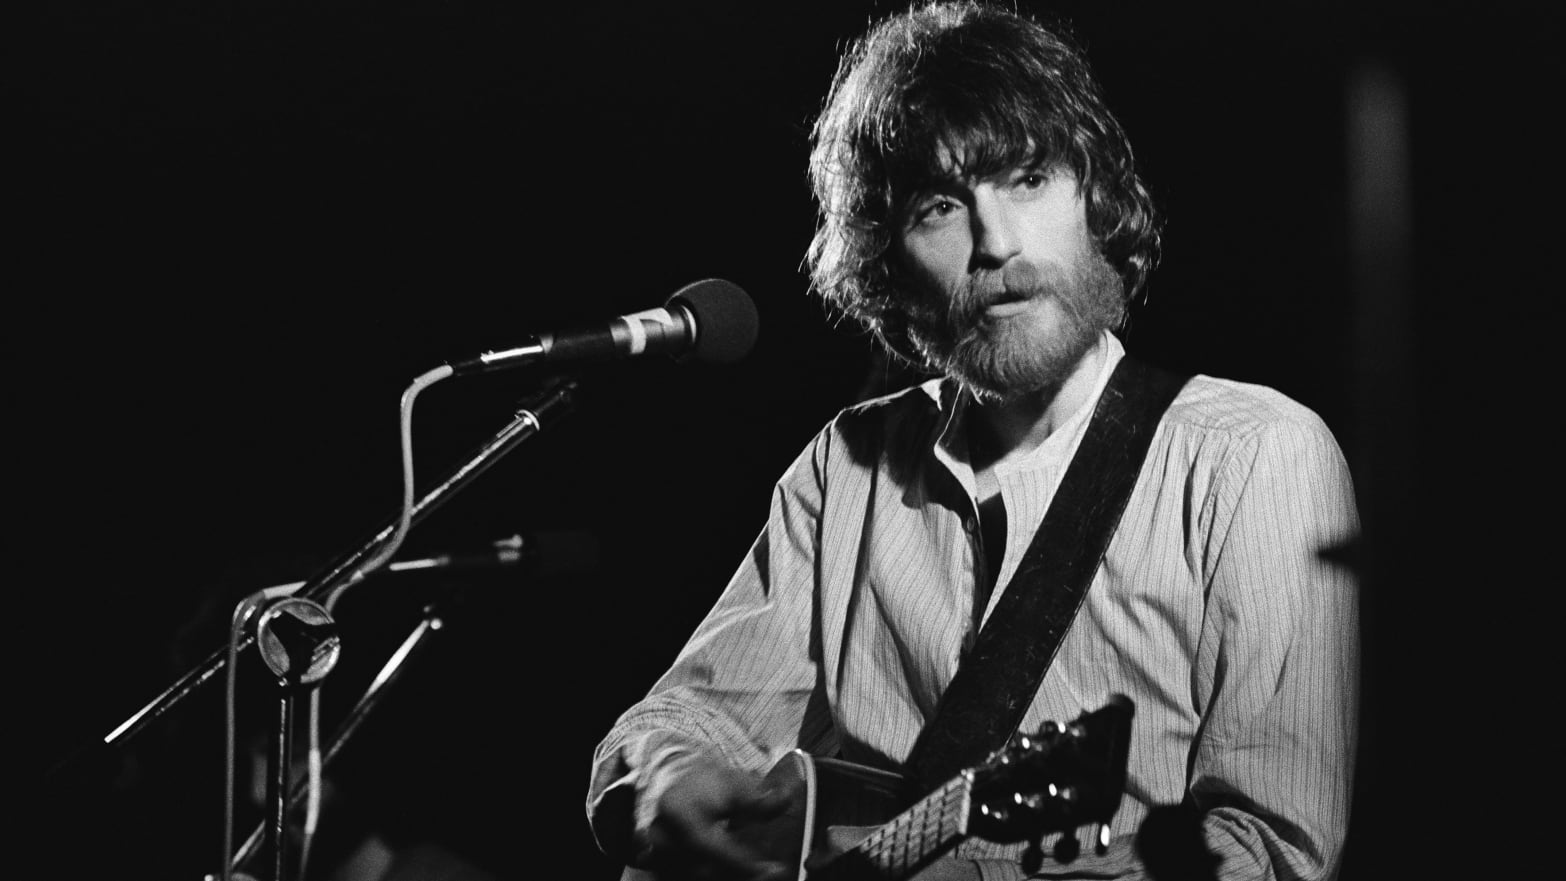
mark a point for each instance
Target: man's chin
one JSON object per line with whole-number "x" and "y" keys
{"x": 993, "y": 379}
{"x": 1018, "y": 364}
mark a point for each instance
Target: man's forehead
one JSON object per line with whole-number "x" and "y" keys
{"x": 957, "y": 162}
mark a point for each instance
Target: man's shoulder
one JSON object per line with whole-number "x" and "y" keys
{"x": 917, "y": 403}
{"x": 1241, "y": 410}
{"x": 921, "y": 398}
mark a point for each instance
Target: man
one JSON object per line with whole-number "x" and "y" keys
{"x": 980, "y": 213}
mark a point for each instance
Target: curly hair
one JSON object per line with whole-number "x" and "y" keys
{"x": 959, "y": 79}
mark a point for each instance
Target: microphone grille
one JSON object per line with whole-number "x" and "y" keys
{"x": 726, "y": 320}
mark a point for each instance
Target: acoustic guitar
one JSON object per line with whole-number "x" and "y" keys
{"x": 1057, "y": 779}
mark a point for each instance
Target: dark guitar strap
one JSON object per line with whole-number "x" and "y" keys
{"x": 992, "y": 689}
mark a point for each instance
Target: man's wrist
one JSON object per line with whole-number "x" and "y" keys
{"x": 658, "y": 771}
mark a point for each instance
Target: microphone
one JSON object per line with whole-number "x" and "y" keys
{"x": 710, "y": 320}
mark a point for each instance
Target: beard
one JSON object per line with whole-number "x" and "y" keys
{"x": 1004, "y": 358}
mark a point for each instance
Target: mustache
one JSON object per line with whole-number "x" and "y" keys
{"x": 1017, "y": 280}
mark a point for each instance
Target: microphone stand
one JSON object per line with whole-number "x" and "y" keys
{"x": 545, "y": 408}
{"x": 528, "y": 421}
{"x": 390, "y": 673}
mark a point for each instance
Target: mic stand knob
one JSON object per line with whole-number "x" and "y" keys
{"x": 298, "y": 641}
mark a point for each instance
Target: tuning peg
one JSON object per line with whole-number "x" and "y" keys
{"x": 1101, "y": 838}
{"x": 998, "y": 815}
{"x": 1033, "y": 857}
{"x": 1067, "y": 848}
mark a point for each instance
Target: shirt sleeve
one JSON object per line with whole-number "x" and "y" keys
{"x": 745, "y": 685}
{"x": 1277, "y": 663}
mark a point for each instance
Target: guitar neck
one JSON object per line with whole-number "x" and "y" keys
{"x": 903, "y": 846}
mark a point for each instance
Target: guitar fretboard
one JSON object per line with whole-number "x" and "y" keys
{"x": 922, "y": 832}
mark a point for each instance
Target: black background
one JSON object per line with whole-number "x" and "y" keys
{"x": 241, "y": 229}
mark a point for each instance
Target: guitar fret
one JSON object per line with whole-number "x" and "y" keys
{"x": 898, "y": 846}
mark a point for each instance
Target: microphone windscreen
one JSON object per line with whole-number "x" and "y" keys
{"x": 726, "y": 320}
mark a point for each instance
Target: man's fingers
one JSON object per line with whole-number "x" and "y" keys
{"x": 842, "y": 838}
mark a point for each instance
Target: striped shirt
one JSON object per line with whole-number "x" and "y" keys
{"x": 1216, "y": 610}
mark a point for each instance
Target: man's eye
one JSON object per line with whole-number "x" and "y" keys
{"x": 937, "y": 209}
{"x": 1032, "y": 180}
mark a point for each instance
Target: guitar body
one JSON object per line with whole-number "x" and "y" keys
{"x": 822, "y": 792}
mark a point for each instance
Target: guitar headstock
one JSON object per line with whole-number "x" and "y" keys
{"x": 1054, "y": 780}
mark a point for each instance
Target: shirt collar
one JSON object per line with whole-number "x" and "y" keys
{"x": 950, "y": 444}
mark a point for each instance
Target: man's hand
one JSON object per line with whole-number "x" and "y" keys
{"x": 691, "y": 835}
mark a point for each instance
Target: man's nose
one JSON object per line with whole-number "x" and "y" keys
{"x": 995, "y": 236}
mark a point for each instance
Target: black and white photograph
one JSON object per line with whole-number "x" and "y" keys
{"x": 901, "y": 439}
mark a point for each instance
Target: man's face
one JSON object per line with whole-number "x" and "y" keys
{"x": 1010, "y": 291}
